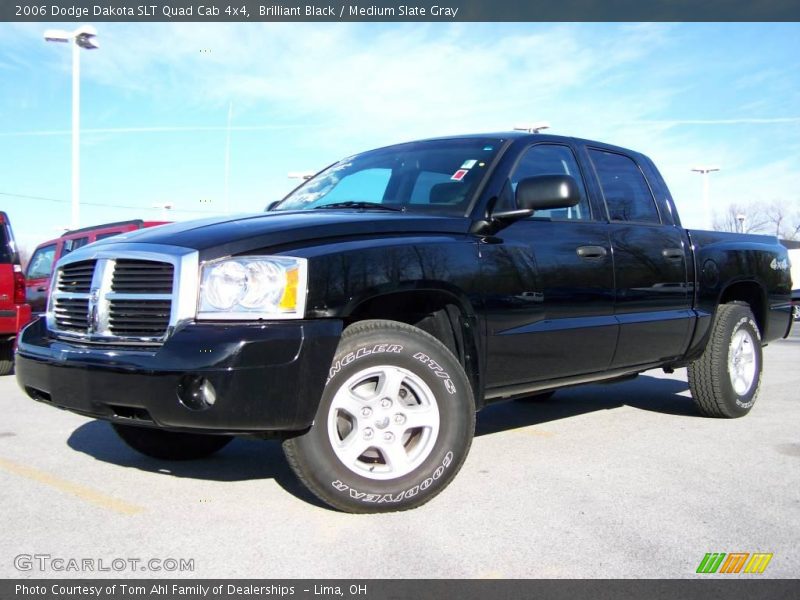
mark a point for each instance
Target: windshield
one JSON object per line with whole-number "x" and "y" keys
{"x": 436, "y": 176}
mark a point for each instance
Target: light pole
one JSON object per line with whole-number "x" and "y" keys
{"x": 740, "y": 218}
{"x": 84, "y": 37}
{"x": 706, "y": 201}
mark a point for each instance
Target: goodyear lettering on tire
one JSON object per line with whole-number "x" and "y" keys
{"x": 405, "y": 494}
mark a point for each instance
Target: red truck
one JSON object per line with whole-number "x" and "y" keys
{"x": 48, "y": 253}
{"x": 14, "y": 311}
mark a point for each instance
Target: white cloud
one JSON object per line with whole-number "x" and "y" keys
{"x": 354, "y": 86}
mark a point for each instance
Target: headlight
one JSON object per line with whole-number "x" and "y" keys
{"x": 253, "y": 287}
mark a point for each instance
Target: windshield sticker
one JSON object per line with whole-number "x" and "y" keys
{"x": 488, "y": 148}
{"x": 459, "y": 175}
{"x": 468, "y": 164}
{"x": 481, "y": 164}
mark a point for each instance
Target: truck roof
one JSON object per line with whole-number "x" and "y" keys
{"x": 516, "y": 135}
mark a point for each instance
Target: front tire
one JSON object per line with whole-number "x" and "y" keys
{"x": 394, "y": 424}
{"x": 170, "y": 445}
{"x": 726, "y": 379}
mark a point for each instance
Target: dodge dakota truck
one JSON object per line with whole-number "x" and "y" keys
{"x": 367, "y": 316}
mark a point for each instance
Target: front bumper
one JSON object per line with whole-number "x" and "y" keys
{"x": 267, "y": 376}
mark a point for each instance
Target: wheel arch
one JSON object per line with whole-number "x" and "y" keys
{"x": 751, "y": 293}
{"x": 439, "y": 310}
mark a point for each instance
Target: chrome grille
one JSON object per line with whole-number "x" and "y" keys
{"x": 113, "y": 300}
{"x": 77, "y": 277}
{"x": 72, "y": 314}
{"x": 139, "y": 317}
{"x": 142, "y": 276}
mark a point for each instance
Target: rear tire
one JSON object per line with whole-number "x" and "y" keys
{"x": 726, "y": 379}
{"x": 170, "y": 445}
{"x": 394, "y": 424}
{"x": 6, "y": 358}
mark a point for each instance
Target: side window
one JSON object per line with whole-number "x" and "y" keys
{"x": 6, "y": 250}
{"x": 72, "y": 245}
{"x": 553, "y": 159}
{"x": 627, "y": 195}
{"x": 41, "y": 264}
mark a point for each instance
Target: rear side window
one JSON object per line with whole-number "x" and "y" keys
{"x": 41, "y": 264}
{"x": 72, "y": 245}
{"x": 552, "y": 159}
{"x": 625, "y": 189}
{"x": 6, "y": 252}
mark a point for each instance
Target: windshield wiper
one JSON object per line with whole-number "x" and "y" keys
{"x": 355, "y": 204}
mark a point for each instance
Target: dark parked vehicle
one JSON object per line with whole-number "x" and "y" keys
{"x": 14, "y": 310}
{"x": 368, "y": 315}
{"x": 47, "y": 254}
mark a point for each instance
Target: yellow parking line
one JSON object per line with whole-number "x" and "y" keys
{"x": 62, "y": 485}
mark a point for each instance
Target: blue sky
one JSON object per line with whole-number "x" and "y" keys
{"x": 155, "y": 100}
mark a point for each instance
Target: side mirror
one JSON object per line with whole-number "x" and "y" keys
{"x": 272, "y": 205}
{"x": 546, "y": 192}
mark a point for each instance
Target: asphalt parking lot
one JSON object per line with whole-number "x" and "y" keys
{"x": 619, "y": 480}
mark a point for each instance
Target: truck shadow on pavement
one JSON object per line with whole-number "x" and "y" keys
{"x": 246, "y": 459}
{"x": 241, "y": 460}
{"x": 645, "y": 393}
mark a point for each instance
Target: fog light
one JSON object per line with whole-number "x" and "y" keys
{"x": 196, "y": 392}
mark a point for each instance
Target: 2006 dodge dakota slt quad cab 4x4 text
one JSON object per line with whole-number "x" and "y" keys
{"x": 367, "y": 316}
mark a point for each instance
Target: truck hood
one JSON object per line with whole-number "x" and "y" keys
{"x": 234, "y": 234}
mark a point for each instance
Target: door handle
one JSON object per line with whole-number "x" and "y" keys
{"x": 672, "y": 253}
{"x": 41, "y": 289}
{"x": 591, "y": 252}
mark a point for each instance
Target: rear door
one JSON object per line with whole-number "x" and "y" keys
{"x": 652, "y": 300}
{"x": 550, "y": 302}
{"x": 37, "y": 276}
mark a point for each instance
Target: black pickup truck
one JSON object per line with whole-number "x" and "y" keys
{"x": 366, "y": 317}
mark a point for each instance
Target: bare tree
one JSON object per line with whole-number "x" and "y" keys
{"x": 783, "y": 219}
{"x": 780, "y": 218}
{"x": 745, "y": 218}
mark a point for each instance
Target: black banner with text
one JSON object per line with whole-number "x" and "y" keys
{"x": 100, "y": 589}
{"x": 403, "y": 10}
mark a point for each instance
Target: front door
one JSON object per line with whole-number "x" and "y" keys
{"x": 550, "y": 310}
